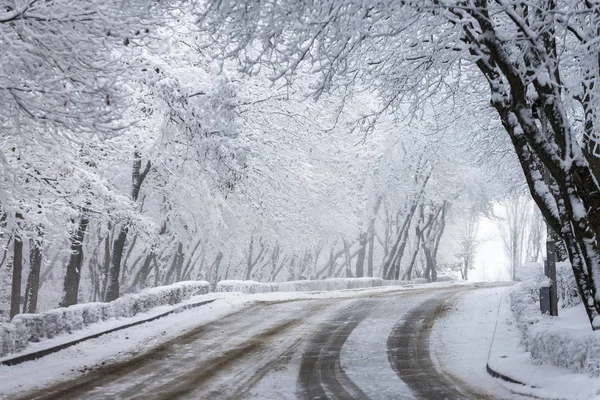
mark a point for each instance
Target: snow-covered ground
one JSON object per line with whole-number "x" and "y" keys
{"x": 543, "y": 381}
{"x": 479, "y": 328}
{"x": 461, "y": 339}
{"x": 275, "y": 343}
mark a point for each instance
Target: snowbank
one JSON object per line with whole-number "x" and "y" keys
{"x": 445, "y": 278}
{"x": 25, "y": 328}
{"x": 245, "y": 287}
{"x": 308, "y": 286}
{"x": 325, "y": 285}
{"x": 564, "y": 341}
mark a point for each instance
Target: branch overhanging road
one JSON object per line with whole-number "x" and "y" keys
{"x": 372, "y": 346}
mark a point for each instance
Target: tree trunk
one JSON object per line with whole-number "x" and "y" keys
{"x": 15, "y": 297}
{"x": 360, "y": 260}
{"x": 348, "y": 262}
{"x": 371, "y": 255}
{"x": 33, "y": 281}
{"x": 137, "y": 179}
{"x": 124, "y": 271}
{"x": 214, "y": 270}
{"x": 73, "y": 274}
{"x": 187, "y": 271}
{"x": 371, "y": 237}
{"x": 106, "y": 263}
{"x": 114, "y": 271}
{"x": 570, "y": 201}
{"x": 465, "y": 270}
{"x": 250, "y": 262}
{"x": 142, "y": 275}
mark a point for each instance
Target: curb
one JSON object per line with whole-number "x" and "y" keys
{"x": 505, "y": 378}
{"x": 490, "y": 370}
{"x": 42, "y": 353}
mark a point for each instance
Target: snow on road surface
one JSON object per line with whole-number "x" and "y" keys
{"x": 268, "y": 346}
{"x": 461, "y": 338}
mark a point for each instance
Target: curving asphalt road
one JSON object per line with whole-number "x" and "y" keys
{"x": 294, "y": 349}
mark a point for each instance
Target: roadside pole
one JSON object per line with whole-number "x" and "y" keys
{"x": 550, "y": 272}
{"x": 549, "y": 296}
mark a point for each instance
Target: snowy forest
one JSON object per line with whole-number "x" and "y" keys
{"x": 146, "y": 143}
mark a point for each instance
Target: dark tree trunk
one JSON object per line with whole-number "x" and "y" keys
{"x": 560, "y": 248}
{"x": 392, "y": 261}
{"x": 106, "y": 264}
{"x": 141, "y": 277}
{"x": 15, "y": 296}
{"x": 33, "y": 281}
{"x": 73, "y": 274}
{"x": 418, "y": 238}
{"x": 137, "y": 179}
{"x": 430, "y": 270}
{"x": 114, "y": 271}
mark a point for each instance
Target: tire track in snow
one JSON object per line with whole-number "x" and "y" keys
{"x": 193, "y": 361}
{"x": 408, "y": 353}
{"x": 321, "y": 375}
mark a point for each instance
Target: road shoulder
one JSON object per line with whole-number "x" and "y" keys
{"x": 510, "y": 361}
{"x": 461, "y": 339}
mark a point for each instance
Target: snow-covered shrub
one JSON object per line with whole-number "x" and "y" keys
{"x": 26, "y": 328}
{"x": 329, "y": 284}
{"x": 395, "y": 283}
{"x": 445, "y": 278}
{"x": 566, "y": 286}
{"x": 419, "y": 281}
{"x": 358, "y": 283}
{"x": 299, "y": 286}
{"x": 245, "y": 287}
{"x": 573, "y": 349}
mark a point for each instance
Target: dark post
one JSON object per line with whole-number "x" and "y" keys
{"x": 550, "y": 264}
{"x": 550, "y": 272}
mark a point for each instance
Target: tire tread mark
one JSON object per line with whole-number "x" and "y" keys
{"x": 105, "y": 374}
{"x": 408, "y": 354}
{"x": 321, "y": 374}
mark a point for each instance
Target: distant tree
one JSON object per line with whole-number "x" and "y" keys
{"x": 468, "y": 243}
{"x": 513, "y": 227}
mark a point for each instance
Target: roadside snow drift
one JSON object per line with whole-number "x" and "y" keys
{"x": 305, "y": 286}
{"x": 566, "y": 341}
{"x": 323, "y": 285}
{"x": 26, "y": 328}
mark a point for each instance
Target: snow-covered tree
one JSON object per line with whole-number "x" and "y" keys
{"x": 538, "y": 61}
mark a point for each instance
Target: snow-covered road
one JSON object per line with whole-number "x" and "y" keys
{"x": 374, "y": 344}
